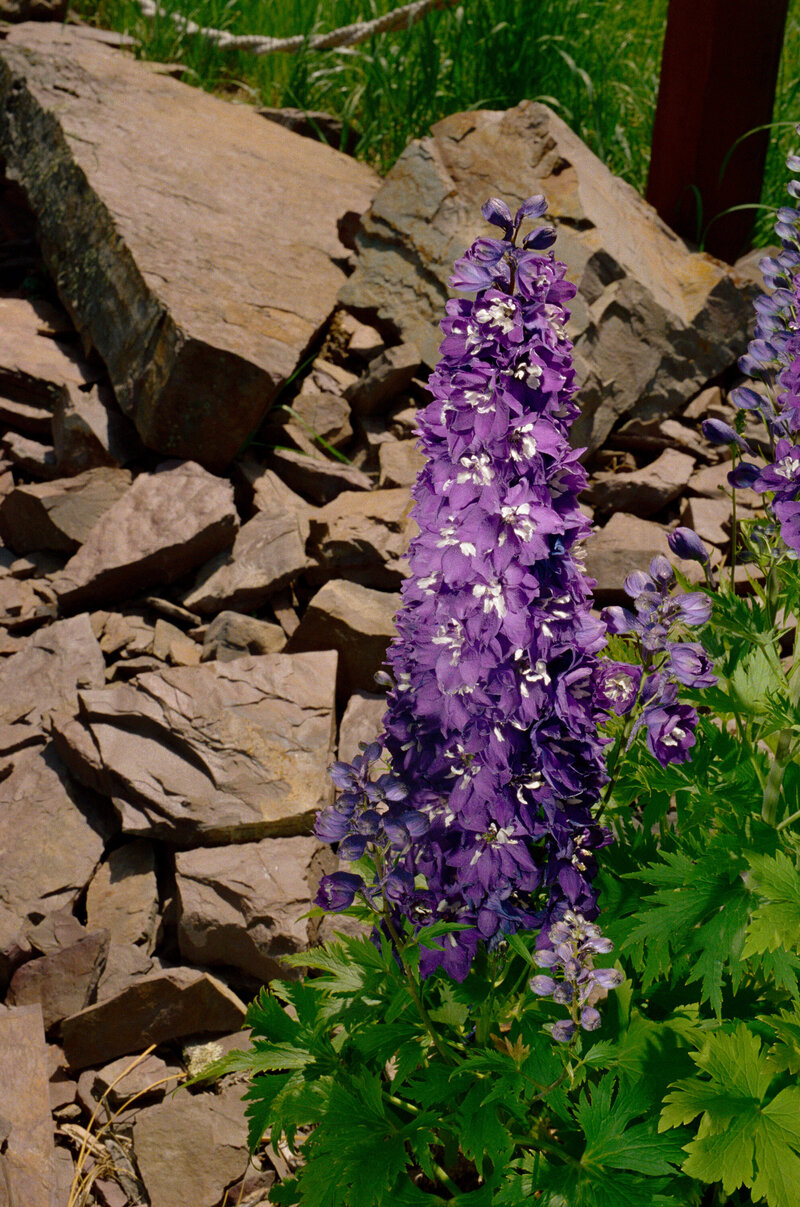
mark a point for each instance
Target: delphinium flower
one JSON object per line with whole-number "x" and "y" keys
{"x": 773, "y": 361}
{"x": 491, "y": 727}
{"x": 571, "y": 979}
{"x": 658, "y": 621}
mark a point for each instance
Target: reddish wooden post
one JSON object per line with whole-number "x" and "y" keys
{"x": 718, "y": 74}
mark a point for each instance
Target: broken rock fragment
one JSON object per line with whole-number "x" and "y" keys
{"x": 59, "y": 515}
{"x": 223, "y": 752}
{"x": 49, "y": 670}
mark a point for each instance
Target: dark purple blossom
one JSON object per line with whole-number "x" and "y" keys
{"x": 686, "y": 544}
{"x": 670, "y": 732}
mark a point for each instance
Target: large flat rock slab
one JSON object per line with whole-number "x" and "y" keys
{"x": 27, "y": 1157}
{"x": 224, "y": 752}
{"x": 652, "y": 322}
{"x": 194, "y": 244}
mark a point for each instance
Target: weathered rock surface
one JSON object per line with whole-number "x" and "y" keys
{"x": 652, "y": 323}
{"x": 362, "y": 722}
{"x": 400, "y": 461}
{"x": 33, "y": 10}
{"x": 192, "y": 1147}
{"x": 364, "y": 537}
{"x": 644, "y": 491}
{"x": 387, "y": 376}
{"x": 59, "y": 515}
{"x": 34, "y": 364}
{"x": 172, "y": 645}
{"x": 89, "y": 430}
{"x": 223, "y": 752}
{"x": 231, "y": 635}
{"x": 49, "y": 670}
{"x": 317, "y": 478}
{"x": 31, "y": 457}
{"x": 269, "y": 552}
{"x": 119, "y": 210}
{"x": 123, "y": 895}
{"x": 61, "y": 983}
{"x": 119, "y": 1081}
{"x": 165, "y": 525}
{"x": 324, "y": 415}
{"x": 52, "y": 835}
{"x": 626, "y": 543}
{"x": 158, "y": 1007}
{"x": 27, "y": 1153}
{"x": 355, "y": 621}
{"x": 244, "y": 906}
{"x": 269, "y": 492}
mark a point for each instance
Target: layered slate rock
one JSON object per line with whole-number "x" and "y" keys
{"x": 232, "y": 635}
{"x": 246, "y": 906}
{"x": 269, "y": 553}
{"x": 224, "y": 752}
{"x": 167, "y": 523}
{"x": 652, "y": 322}
{"x": 52, "y": 835}
{"x": 189, "y": 296}
{"x": 59, "y": 515}
{"x": 123, "y": 895}
{"x": 644, "y": 491}
{"x": 160, "y": 1006}
{"x": 48, "y": 672}
{"x": 35, "y": 366}
{"x": 27, "y": 1154}
{"x": 61, "y": 983}
{"x": 364, "y": 537}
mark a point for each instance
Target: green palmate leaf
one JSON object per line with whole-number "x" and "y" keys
{"x": 785, "y": 1052}
{"x": 266, "y": 1017}
{"x": 776, "y": 922}
{"x": 754, "y": 679}
{"x": 746, "y": 1135}
{"x": 482, "y": 1135}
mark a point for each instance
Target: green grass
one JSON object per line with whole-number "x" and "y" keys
{"x": 595, "y": 62}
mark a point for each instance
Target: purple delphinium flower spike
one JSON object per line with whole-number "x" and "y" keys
{"x": 572, "y": 980}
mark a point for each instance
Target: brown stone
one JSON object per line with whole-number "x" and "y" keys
{"x": 269, "y": 492}
{"x": 35, "y": 365}
{"x": 269, "y": 553}
{"x": 317, "y": 478}
{"x": 161, "y": 1006}
{"x": 646, "y": 490}
{"x": 125, "y": 634}
{"x": 161, "y": 266}
{"x": 355, "y": 621}
{"x": 147, "y": 1080}
{"x": 61, "y": 983}
{"x": 33, "y": 10}
{"x": 89, "y": 430}
{"x": 123, "y": 895}
{"x": 27, "y": 1153}
{"x": 324, "y": 416}
{"x": 710, "y": 519}
{"x": 363, "y": 341}
{"x": 49, "y": 670}
{"x": 31, "y": 457}
{"x": 30, "y": 420}
{"x": 23, "y": 605}
{"x": 246, "y": 906}
{"x": 231, "y": 635}
{"x": 362, "y": 722}
{"x": 172, "y": 645}
{"x": 364, "y": 537}
{"x": 125, "y": 966}
{"x": 387, "y": 376}
{"x": 626, "y": 543}
{"x": 192, "y": 1147}
{"x": 712, "y": 483}
{"x": 652, "y": 322}
{"x": 165, "y": 525}
{"x": 400, "y": 462}
{"x": 52, "y": 835}
{"x": 59, "y": 515}
{"x": 224, "y": 752}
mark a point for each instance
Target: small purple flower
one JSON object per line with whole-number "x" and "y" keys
{"x": 686, "y": 544}
{"x": 718, "y": 432}
{"x": 618, "y": 687}
{"x": 670, "y": 732}
{"x": 338, "y": 891}
{"x": 689, "y": 663}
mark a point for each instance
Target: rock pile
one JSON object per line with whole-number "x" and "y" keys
{"x": 189, "y": 630}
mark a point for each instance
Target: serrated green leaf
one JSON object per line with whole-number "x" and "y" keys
{"x": 745, "y": 1137}
{"x": 776, "y": 922}
{"x": 613, "y": 1141}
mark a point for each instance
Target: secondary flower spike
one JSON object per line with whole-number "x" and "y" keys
{"x": 492, "y": 722}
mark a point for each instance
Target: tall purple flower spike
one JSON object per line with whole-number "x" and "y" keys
{"x": 492, "y": 721}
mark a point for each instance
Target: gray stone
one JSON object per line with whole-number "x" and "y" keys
{"x": 362, "y": 722}
{"x": 168, "y": 523}
{"x": 49, "y": 670}
{"x": 400, "y": 462}
{"x": 89, "y": 430}
{"x": 269, "y": 553}
{"x": 61, "y": 983}
{"x": 27, "y": 1154}
{"x": 231, "y": 635}
{"x": 224, "y": 752}
{"x": 246, "y": 906}
{"x": 160, "y": 1006}
{"x": 652, "y": 322}
{"x": 192, "y": 1147}
{"x": 364, "y": 537}
{"x": 644, "y": 491}
{"x": 59, "y": 515}
{"x": 52, "y": 835}
{"x": 387, "y": 376}
{"x": 123, "y": 895}
{"x": 316, "y": 477}
{"x": 161, "y": 265}
{"x": 355, "y": 621}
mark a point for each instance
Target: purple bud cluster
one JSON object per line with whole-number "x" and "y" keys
{"x": 492, "y": 719}
{"x": 773, "y": 361}
{"x": 571, "y": 979}
{"x": 660, "y": 615}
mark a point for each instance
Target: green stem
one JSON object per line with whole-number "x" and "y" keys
{"x": 415, "y": 995}
{"x": 444, "y": 1177}
{"x": 613, "y": 766}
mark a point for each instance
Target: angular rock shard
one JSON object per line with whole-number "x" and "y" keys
{"x": 59, "y": 515}
{"x": 27, "y": 1155}
{"x": 652, "y": 322}
{"x": 168, "y": 523}
{"x": 200, "y": 305}
{"x": 49, "y": 670}
{"x": 224, "y": 752}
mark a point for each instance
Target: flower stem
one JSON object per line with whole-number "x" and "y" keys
{"x": 415, "y": 994}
